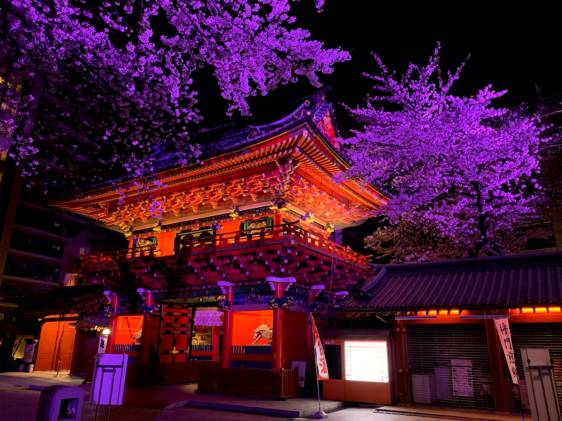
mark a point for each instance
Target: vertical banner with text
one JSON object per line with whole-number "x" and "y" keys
{"x": 319, "y": 356}
{"x": 504, "y": 333}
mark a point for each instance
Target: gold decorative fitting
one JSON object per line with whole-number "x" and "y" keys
{"x": 308, "y": 217}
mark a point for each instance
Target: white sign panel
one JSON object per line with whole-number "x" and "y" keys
{"x": 110, "y": 371}
{"x": 208, "y": 317}
{"x": 301, "y": 366}
{"x": 461, "y": 376}
{"x": 504, "y": 333}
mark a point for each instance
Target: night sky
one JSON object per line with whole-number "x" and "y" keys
{"x": 511, "y": 46}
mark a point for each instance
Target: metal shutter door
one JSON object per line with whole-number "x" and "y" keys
{"x": 453, "y": 361}
{"x": 534, "y": 335}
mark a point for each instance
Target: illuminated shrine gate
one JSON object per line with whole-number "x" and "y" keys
{"x": 247, "y": 234}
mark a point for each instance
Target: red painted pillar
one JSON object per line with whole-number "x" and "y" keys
{"x": 278, "y": 322}
{"x": 403, "y": 376}
{"x": 146, "y": 295}
{"x": 311, "y": 363}
{"x": 278, "y": 285}
{"x": 312, "y": 294}
{"x": 495, "y": 354}
{"x": 215, "y": 341}
{"x": 228, "y": 291}
{"x": 114, "y": 303}
{"x": 309, "y": 352}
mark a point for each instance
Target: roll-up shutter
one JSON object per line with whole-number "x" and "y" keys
{"x": 534, "y": 335}
{"x": 449, "y": 366}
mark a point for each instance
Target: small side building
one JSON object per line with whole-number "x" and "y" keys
{"x": 443, "y": 349}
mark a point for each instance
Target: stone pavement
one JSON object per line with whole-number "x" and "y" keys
{"x": 185, "y": 395}
{"x": 461, "y": 415}
{"x": 19, "y": 398}
{"x": 182, "y": 395}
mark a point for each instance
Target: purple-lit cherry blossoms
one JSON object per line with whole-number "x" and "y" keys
{"x": 120, "y": 73}
{"x": 460, "y": 173}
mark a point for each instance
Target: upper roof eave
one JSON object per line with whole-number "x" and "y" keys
{"x": 110, "y": 193}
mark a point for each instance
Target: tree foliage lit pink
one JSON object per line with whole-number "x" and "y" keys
{"x": 460, "y": 173}
{"x": 126, "y": 70}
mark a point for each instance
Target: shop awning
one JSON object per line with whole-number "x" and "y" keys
{"x": 480, "y": 283}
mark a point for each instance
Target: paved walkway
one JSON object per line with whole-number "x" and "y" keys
{"x": 19, "y": 398}
{"x": 460, "y": 415}
{"x": 38, "y": 379}
{"x": 185, "y": 395}
{"x": 178, "y": 396}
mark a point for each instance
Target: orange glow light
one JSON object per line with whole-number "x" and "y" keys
{"x": 515, "y": 311}
{"x": 554, "y": 309}
{"x": 527, "y": 310}
{"x": 422, "y": 313}
{"x": 540, "y": 310}
{"x": 432, "y": 313}
{"x": 443, "y": 312}
{"x": 455, "y": 312}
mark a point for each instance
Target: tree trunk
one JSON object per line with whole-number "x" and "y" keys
{"x": 482, "y": 223}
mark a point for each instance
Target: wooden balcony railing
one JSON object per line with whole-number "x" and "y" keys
{"x": 171, "y": 373}
{"x": 279, "y": 384}
{"x": 292, "y": 233}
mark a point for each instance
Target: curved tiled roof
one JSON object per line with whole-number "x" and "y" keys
{"x": 482, "y": 283}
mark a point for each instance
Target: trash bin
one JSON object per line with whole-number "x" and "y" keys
{"x": 58, "y": 403}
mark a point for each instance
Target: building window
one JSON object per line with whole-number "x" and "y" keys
{"x": 333, "y": 359}
{"x": 31, "y": 270}
{"x": 257, "y": 227}
{"x": 193, "y": 238}
{"x": 366, "y": 361}
{"x": 70, "y": 279}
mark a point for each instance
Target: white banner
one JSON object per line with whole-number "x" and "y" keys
{"x": 321, "y": 364}
{"x": 504, "y": 333}
{"x": 207, "y": 317}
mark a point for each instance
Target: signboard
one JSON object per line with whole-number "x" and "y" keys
{"x": 319, "y": 356}
{"x": 461, "y": 376}
{"x": 504, "y": 333}
{"x": 208, "y": 317}
{"x": 108, "y": 384}
{"x": 301, "y": 367}
{"x": 541, "y": 386}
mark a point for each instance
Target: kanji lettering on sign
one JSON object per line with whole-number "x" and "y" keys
{"x": 320, "y": 358}
{"x": 504, "y": 333}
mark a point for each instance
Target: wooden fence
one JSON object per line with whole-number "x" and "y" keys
{"x": 279, "y": 384}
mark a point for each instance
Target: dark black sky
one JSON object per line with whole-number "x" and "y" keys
{"x": 512, "y": 47}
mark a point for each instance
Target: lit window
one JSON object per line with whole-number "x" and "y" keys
{"x": 366, "y": 361}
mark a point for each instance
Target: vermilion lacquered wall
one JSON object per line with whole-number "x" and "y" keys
{"x": 56, "y": 344}
{"x": 245, "y": 323}
{"x": 129, "y": 329}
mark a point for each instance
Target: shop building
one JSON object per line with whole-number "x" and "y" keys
{"x": 438, "y": 323}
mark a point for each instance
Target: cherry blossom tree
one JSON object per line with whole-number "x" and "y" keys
{"x": 460, "y": 173}
{"x": 119, "y": 76}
